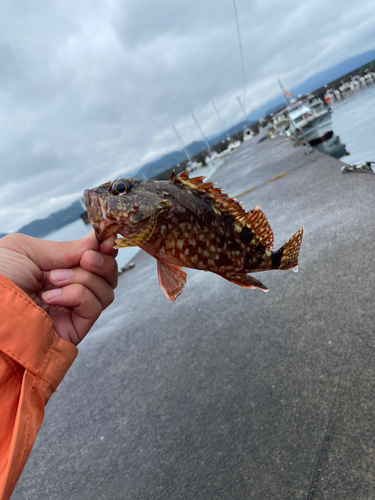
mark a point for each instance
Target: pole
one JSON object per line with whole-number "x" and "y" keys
{"x": 221, "y": 121}
{"x": 282, "y": 90}
{"x": 241, "y": 51}
{"x": 182, "y": 143}
{"x": 204, "y": 137}
{"x": 243, "y": 110}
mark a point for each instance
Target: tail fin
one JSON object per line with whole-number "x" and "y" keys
{"x": 289, "y": 252}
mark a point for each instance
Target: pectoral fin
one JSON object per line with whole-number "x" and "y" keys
{"x": 245, "y": 280}
{"x": 172, "y": 280}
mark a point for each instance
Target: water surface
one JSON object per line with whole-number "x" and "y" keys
{"x": 353, "y": 121}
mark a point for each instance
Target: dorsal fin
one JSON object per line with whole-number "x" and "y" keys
{"x": 172, "y": 176}
{"x": 258, "y": 223}
{"x": 220, "y": 201}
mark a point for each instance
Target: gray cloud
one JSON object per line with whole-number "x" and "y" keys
{"x": 89, "y": 89}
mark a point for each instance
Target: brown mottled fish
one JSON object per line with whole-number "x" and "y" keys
{"x": 189, "y": 223}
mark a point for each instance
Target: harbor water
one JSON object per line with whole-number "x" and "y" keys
{"x": 353, "y": 121}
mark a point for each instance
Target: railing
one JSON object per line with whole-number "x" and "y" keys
{"x": 298, "y": 135}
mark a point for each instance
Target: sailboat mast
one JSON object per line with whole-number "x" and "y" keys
{"x": 241, "y": 50}
{"x": 243, "y": 109}
{"x": 182, "y": 143}
{"x": 221, "y": 121}
{"x": 200, "y": 128}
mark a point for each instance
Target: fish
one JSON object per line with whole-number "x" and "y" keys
{"x": 188, "y": 223}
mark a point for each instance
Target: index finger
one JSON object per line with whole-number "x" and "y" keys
{"x": 49, "y": 255}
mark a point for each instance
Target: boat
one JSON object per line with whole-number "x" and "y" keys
{"x": 354, "y": 84}
{"x": 345, "y": 89}
{"x": 280, "y": 123}
{"x": 247, "y": 134}
{"x": 233, "y": 145}
{"x": 317, "y": 105}
{"x": 263, "y": 124}
{"x": 369, "y": 78}
{"x": 212, "y": 156}
{"x": 309, "y": 123}
{"x": 193, "y": 165}
{"x": 337, "y": 95}
{"x": 331, "y": 145}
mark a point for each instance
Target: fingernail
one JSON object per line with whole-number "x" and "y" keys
{"x": 60, "y": 274}
{"x": 51, "y": 294}
{"x": 95, "y": 259}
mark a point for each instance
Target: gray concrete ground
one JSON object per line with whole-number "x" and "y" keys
{"x": 227, "y": 393}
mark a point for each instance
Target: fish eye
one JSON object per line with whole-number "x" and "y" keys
{"x": 121, "y": 186}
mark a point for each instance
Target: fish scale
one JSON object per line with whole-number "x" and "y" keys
{"x": 189, "y": 223}
{"x": 189, "y": 243}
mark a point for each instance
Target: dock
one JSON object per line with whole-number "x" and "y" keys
{"x": 228, "y": 393}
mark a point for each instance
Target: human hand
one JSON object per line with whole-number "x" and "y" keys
{"x": 72, "y": 281}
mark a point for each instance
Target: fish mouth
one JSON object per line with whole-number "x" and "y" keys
{"x": 102, "y": 226}
{"x": 92, "y": 205}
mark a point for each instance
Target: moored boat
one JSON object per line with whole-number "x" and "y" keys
{"x": 247, "y": 134}
{"x": 308, "y": 123}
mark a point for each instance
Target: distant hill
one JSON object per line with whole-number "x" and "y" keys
{"x": 169, "y": 160}
{"x": 275, "y": 109}
{"x": 154, "y": 167}
{"x": 330, "y": 74}
{"x": 214, "y": 139}
{"x": 41, "y": 227}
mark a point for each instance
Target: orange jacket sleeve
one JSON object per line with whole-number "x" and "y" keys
{"x": 33, "y": 361}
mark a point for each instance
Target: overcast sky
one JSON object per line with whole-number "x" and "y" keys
{"x": 89, "y": 88}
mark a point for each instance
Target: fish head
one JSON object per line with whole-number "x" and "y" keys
{"x": 122, "y": 206}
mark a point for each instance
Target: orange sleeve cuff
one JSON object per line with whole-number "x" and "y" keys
{"x": 27, "y": 335}
{"x": 33, "y": 361}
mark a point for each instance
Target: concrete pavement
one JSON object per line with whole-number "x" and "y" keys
{"x": 228, "y": 393}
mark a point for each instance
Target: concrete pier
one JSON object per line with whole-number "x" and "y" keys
{"x": 231, "y": 393}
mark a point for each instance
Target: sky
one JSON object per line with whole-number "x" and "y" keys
{"x": 89, "y": 89}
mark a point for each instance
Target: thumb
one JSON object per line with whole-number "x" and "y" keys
{"x": 49, "y": 255}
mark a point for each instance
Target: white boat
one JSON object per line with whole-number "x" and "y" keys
{"x": 247, "y": 134}
{"x": 345, "y": 89}
{"x": 234, "y": 145}
{"x": 212, "y": 156}
{"x": 231, "y": 147}
{"x": 280, "y": 123}
{"x": 313, "y": 125}
{"x": 317, "y": 105}
{"x": 193, "y": 165}
{"x": 337, "y": 95}
{"x": 369, "y": 78}
{"x": 355, "y": 83}
{"x": 263, "y": 124}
